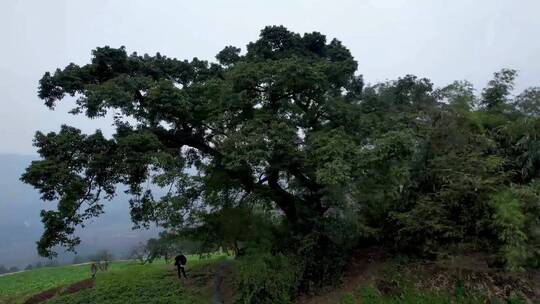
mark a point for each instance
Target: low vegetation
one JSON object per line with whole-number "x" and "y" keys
{"x": 436, "y": 282}
{"x": 23, "y": 284}
{"x": 149, "y": 283}
{"x": 123, "y": 282}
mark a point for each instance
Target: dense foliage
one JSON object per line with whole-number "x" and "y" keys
{"x": 266, "y": 279}
{"x": 287, "y": 136}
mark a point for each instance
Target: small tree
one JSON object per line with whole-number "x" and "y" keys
{"x": 166, "y": 247}
{"x": 52, "y": 263}
{"x": 103, "y": 258}
{"x": 139, "y": 252}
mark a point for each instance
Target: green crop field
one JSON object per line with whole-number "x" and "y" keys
{"x": 124, "y": 282}
{"x": 20, "y": 285}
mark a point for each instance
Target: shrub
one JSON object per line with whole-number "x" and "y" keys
{"x": 347, "y": 298}
{"x": 516, "y": 213}
{"x": 266, "y": 279}
{"x": 321, "y": 261}
{"x": 509, "y": 222}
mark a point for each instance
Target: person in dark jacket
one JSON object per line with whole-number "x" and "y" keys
{"x": 180, "y": 262}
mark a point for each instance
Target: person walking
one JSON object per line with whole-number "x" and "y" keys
{"x": 93, "y": 270}
{"x": 180, "y": 262}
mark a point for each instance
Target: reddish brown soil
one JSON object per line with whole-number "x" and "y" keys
{"x": 42, "y": 296}
{"x": 76, "y": 287}
{"x": 49, "y": 293}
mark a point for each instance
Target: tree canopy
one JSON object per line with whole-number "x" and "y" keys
{"x": 289, "y": 129}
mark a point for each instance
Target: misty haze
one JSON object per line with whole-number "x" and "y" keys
{"x": 373, "y": 151}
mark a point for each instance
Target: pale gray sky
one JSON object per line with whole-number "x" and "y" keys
{"x": 439, "y": 39}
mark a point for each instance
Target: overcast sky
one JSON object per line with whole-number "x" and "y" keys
{"x": 439, "y": 39}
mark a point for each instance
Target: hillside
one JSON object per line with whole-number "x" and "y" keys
{"x": 374, "y": 276}
{"x": 371, "y": 277}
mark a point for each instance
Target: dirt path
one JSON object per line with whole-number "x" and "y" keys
{"x": 216, "y": 289}
{"x": 365, "y": 267}
{"x": 215, "y": 280}
{"x": 222, "y": 292}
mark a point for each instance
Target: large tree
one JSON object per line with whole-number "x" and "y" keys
{"x": 277, "y": 125}
{"x": 288, "y": 130}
